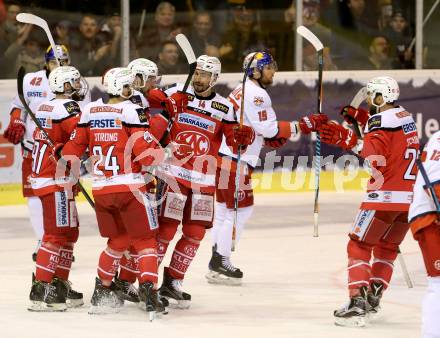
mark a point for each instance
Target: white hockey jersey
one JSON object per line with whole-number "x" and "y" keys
{"x": 422, "y": 203}
{"x": 139, "y": 99}
{"x": 258, "y": 114}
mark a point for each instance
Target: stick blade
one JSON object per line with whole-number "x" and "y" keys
{"x": 31, "y": 19}
{"x": 186, "y": 47}
{"x": 309, "y": 36}
{"x": 360, "y": 97}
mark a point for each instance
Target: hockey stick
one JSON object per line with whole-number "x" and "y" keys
{"x": 360, "y": 96}
{"x": 319, "y": 47}
{"x": 20, "y": 77}
{"x": 413, "y": 41}
{"x": 40, "y": 22}
{"x": 237, "y": 172}
{"x": 428, "y": 184}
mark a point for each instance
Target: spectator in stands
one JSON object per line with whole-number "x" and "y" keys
{"x": 62, "y": 33}
{"x": 202, "y": 35}
{"x": 379, "y": 57}
{"x": 113, "y": 28}
{"x": 162, "y": 29}
{"x": 168, "y": 59}
{"x": 212, "y": 50}
{"x": 385, "y": 13}
{"x": 90, "y": 52}
{"x": 243, "y": 35}
{"x": 399, "y": 35}
{"x": 31, "y": 56}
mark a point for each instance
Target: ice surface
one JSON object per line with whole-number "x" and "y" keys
{"x": 292, "y": 281}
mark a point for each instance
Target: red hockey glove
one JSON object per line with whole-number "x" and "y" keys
{"x": 312, "y": 122}
{"x": 350, "y": 113}
{"x": 15, "y": 131}
{"x": 333, "y": 133}
{"x": 175, "y": 104}
{"x": 275, "y": 142}
{"x": 243, "y": 135}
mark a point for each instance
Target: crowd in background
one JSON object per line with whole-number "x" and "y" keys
{"x": 358, "y": 34}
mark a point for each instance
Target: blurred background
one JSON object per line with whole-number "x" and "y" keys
{"x": 358, "y": 34}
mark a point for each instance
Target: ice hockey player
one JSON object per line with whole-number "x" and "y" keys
{"x": 259, "y": 114}
{"x": 118, "y": 134}
{"x": 21, "y": 128}
{"x": 51, "y": 290}
{"x": 425, "y": 226}
{"x": 201, "y": 118}
{"x": 147, "y": 78}
{"x": 390, "y": 146}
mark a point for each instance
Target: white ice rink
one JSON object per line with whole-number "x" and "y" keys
{"x": 292, "y": 281}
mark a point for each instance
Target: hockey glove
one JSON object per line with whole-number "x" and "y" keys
{"x": 312, "y": 122}
{"x": 243, "y": 135}
{"x": 333, "y": 133}
{"x": 175, "y": 104}
{"x": 275, "y": 142}
{"x": 15, "y": 131}
{"x": 350, "y": 113}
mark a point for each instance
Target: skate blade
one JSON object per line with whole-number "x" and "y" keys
{"x": 178, "y": 304}
{"x": 374, "y": 315}
{"x": 103, "y": 310}
{"x": 217, "y": 278}
{"x": 143, "y": 307}
{"x": 37, "y": 306}
{"x": 74, "y": 303}
{"x": 356, "y": 321}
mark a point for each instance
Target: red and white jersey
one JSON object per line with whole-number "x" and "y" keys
{"x": 391, "y": 146}
{"x": 59, "y": 118}
{"x": 422, "y": 203}
{"x": 36, "y": 90}
{"x": 202, "y": 127}
{"x": 116, "y": 134}
{"x": 258, "y": 114}
{"x": 139, "y": 99}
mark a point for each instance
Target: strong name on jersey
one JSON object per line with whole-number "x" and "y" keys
{"x": 59, "y": 118}
{"x": 393, "y": 135}
{"x": 117, "y": 135}
{"x": 258, "y": 114}
{"x": 422, "y": 203}
{"x": 202, "y": 126}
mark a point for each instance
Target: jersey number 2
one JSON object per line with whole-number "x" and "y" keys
{"x": 410, "y": 154}
{"x": 110, "y": 162}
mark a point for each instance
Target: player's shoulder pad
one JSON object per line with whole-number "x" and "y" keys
{"x": 72, "y": 107}
{"x": 142, "y": 114}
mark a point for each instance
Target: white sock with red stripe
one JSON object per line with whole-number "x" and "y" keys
{"x": 65, "y": 262}
{"x": 108, "y": 265}
{"x": 47, "y": 262}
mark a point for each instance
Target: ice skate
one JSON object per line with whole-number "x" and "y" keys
{"x": 222, "y": 271}
{"x": 105, "y": 299}
{"x": 373, "y": 297}
{"x": 45, "y": 298}
{"x": 149, "y": 299}
{"x": 73, "y": 298}
{"x": 171, "y": 290}
{"x": 126, "y": 290}
{"x": 354, "y": 314}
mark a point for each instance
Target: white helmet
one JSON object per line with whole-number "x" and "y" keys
{"x": 210, "y": 64}
{"x": 61, "y": 75}
{"x": 146, "y": 68}
{"x": 115, "y": 80}
{"x": 385, "y": 86}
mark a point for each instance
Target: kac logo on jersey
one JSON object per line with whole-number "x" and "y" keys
{"x": 197, "y": 121}
{"x": 198, "y": 141}
{"x": 409, "y": 127}
{"x": 106, "y": 124}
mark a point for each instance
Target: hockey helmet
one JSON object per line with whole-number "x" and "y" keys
{"x": 210, "y": 64}
{"x": 61, "y": 75}
{"x": 385, "y": 86}
{"x": 259, "y": 61}
{"x": 62, "y": 54}
{"x": 146, "y": 68}
{"x": 116, "y": 79}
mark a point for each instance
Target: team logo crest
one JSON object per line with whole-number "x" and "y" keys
{"x": 258, "y": 100}
{"x": 199, "y": 142}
